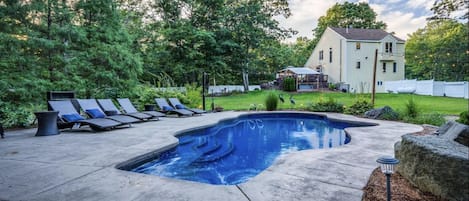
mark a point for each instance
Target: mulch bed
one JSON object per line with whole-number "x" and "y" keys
{"x": 401, "y": 188}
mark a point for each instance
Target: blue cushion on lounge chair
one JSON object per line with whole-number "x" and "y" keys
{"x": 95, "y": 113}
{"x": 72, "y": 117}
{"x": 167, "y": 108}
{"x": 180, "y": 106}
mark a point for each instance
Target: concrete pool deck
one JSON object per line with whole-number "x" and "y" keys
{"x": 77, "y": 165}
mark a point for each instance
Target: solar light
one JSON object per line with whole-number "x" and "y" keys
{"x": 387, "y": 164}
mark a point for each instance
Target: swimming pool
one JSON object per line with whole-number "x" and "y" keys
{"x": 235, "y": 150}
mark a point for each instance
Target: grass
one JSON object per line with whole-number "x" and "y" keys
{"x": 426, "y": 104}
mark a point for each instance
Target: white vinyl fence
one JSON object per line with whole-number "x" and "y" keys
{"x": 429, "y": 87}
{"x": 218, "y": 89}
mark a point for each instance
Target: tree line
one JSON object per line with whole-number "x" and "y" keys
{"x": 110, "y": 48}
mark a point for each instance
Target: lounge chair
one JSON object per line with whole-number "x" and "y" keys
{"x": 68, "y": 115}
{"x": 129, "y": 108}
{"x": 91, "y": 107}
{"x": 178, "y": 105}
{"x": 108, "y": 105}
{"x": 167, "y": 109}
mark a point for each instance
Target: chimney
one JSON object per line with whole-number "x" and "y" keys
{"x": 346, "y": 29}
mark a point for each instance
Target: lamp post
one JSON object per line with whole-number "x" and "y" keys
{"x": 387, "y": 164}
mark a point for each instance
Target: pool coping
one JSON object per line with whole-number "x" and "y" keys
{"x": 81, "y": 165}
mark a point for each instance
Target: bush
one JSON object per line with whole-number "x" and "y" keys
{"x": 435, "y": 119}
{"x": 146, "y": 94}
{"x": 17, "y": 116}
{"x": 289, "y": 84}
{"x": 271, "y": 102}
{"x": 464, "y": 118}
{"x": 193, "y": 96}
{"x": 359, "y": 107}
{"x": 411, "y": 109}
{"x": 327, "y": 106}
{"x": 332, "y": 86}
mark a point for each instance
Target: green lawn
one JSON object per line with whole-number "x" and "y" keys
{"x": 427, "y": 104}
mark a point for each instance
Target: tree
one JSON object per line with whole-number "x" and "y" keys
{"x": 103, "y": 57}
{"x": 356, "y": 15}
{"x": 444, "y": 9}
{"x": 439, "y": 51}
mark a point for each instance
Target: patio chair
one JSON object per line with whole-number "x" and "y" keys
{"x": 178, "y": 105}
{"x": 108, "y": 105}
{"x": 69, "y": 117}
{"x": 92, "y": 109}
{"x": 129, "y": 108}
{"x": 167, "y": 109}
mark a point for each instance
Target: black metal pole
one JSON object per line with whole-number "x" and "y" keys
{"x": 204, "y": 77}
{"x": 388, "y": 186}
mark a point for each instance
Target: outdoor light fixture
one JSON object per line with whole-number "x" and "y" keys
{"x": 387, "y": 164}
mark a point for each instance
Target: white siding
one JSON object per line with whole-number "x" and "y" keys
{"x": 345, "y": 57}
{"x": 329, "y": 39}
{"x": 360, "y": 79}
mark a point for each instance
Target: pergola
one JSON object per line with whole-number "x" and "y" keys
{"x": 306, "y": 78}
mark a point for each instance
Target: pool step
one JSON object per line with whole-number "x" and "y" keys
{"x": 183, "y": 141}
{"x": 216, "y": 155}
{"x": 207, "y": 148}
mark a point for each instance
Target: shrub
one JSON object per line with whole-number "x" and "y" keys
{"x": 332, "y": 86}
{"x": 327, "y": 106}
{"x": 193, "y": 96}
{"x": 432, "y": 119}
{"x": 359, "y": 107}
{"x": 146, "y": 94}
{"x": 464, "y": 118}
{"x": 17, "y": 116}
{"x": 271, "y": 102}
{"x": 411, "y": 109}
{"x": 289, "y": 84}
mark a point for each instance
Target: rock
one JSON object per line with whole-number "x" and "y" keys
{"x": 455, "y": 131}
{"x": 437, "y": 163}
{"x": 386, "y": 113}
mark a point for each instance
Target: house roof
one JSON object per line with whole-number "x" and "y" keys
{"x": 363, "y": 34}
{"x": 300, "y": 71}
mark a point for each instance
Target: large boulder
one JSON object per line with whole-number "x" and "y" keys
{"x": 437, "y": 163}
{"x": 386, "y": 113}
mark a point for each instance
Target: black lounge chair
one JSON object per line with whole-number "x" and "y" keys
{"x": 129, "y": 108}
{"x": 178, "y": 105}
{"x": 91, "y": 107}
{"x": 69, "y": 116}
{"x": 108, "y": 105}
{"x": 167, "y": 109}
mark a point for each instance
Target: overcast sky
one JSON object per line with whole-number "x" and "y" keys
{"x": 402, "y": 16}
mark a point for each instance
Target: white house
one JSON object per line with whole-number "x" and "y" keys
{"x": 347, "y": 56}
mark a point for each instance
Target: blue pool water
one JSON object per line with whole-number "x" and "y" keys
{"x": 235, "y": 150}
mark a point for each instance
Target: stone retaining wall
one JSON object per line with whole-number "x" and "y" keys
{"x": 436, "y": 163}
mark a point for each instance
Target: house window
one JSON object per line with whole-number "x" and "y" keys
{"x": 321, "y": 55}
{"x": 358, "y": 65}
{"x": 388, "y": 47}
{"x": 357, "y": 45}
{"x": 380, "y": 83}
{"x": 384, "y": 67}
{"x": 394, "y": 67}
{"x": 330, "y": 55}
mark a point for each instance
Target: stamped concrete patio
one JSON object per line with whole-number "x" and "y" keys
{"x": 81, "y": 165}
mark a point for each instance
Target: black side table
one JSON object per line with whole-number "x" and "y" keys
{"x": 47, "y": 123}
{"x": 149, "y": 107}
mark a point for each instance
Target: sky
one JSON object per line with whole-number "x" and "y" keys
{"x": 402, "y": 16}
